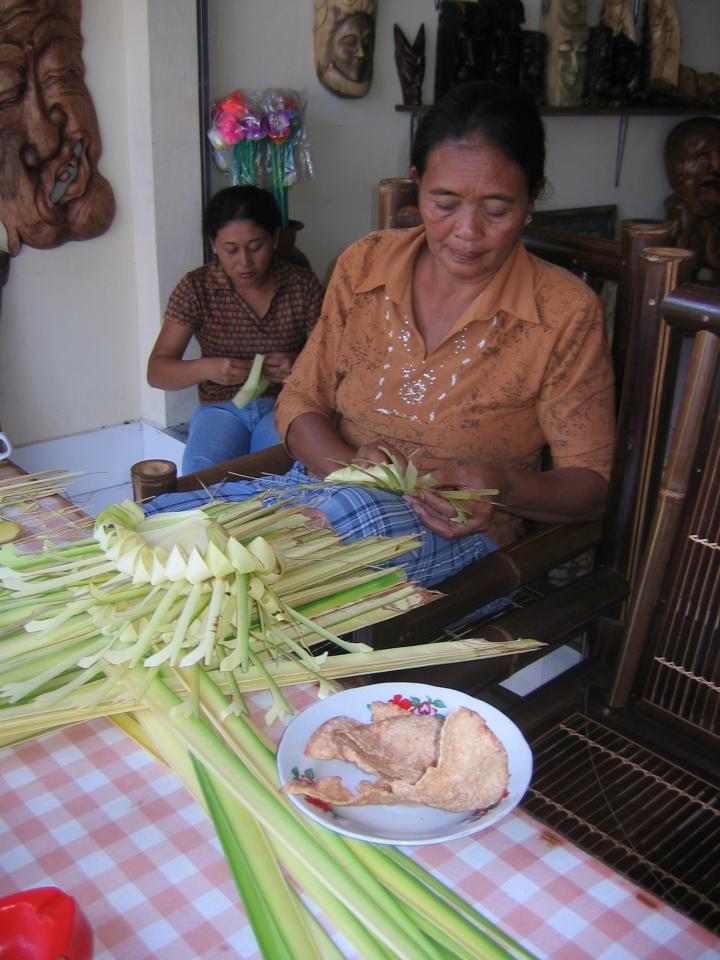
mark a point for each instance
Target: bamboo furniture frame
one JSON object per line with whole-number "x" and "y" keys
{"x": 670, "y": 655}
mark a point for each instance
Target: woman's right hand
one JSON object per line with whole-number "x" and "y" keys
{"x": 378, "y": 452}
{"x": 227, "y": 371}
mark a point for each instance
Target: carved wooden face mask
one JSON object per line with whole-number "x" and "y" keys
{"x": 344, "y": 42}
{"x": 50, "y": 188}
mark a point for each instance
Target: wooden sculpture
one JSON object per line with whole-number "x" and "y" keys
{"x": 565, "y": 24}
{"x": 344, "y": 41}
{"x": 50, "y": 187}
{"x": 410, "y": 62}
{"x": 613, "y": 56}
{"x": 664, "y": 27}
{"x": 618, "y": 16}
{"x": 465, "y": 43}
{"x": 692, "y": 162}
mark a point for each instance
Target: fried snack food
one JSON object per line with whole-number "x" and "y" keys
{"x": 455, "y": 764}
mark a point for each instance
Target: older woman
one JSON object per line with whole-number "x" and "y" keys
{"x": 449, "y": 343}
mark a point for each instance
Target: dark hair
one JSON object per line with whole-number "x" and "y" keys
{"x": 241, "y": 203}
{"x": 506, "y": 117}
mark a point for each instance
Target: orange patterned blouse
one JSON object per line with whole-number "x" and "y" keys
{"x": 526, "y": 365}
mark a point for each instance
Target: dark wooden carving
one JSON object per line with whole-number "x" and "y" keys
{"x": 464, "y": 43}
{"x": 613, "y": 67}
{"x": 410, "y": 62}
{"x": 508, "y": 42}
{"x": 532, "y": 69}
{"x": 692, "y": 162}
{"x": 50, "y": 187}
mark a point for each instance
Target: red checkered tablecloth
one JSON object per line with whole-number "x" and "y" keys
{"x": 88, "y": 811}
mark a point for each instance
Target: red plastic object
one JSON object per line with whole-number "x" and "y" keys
{"x": 43, "y": 924}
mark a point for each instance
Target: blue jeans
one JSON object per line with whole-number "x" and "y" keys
{"x": 219, "y": 432}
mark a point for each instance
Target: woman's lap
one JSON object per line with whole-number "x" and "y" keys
{"x": 353, "y": 513}
{"x": 221, "y": 431}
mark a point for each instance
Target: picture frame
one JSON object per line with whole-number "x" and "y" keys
{"x": 594, "y": 221}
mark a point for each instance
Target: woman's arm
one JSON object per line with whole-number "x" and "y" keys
{"x": 566, "y": 495}
{"x": 168, "y": 371}
{"x": 313, "y": 439}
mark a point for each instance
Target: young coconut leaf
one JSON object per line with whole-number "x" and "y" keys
{"x": 408, "y": 482}
{"x": 255, "y": 385}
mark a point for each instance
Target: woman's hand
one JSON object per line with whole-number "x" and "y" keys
{"x": 277, "y": 366}
{"x": 378, "y": 452}
{"x": 227, "y": 371}
{"x": 437, "y": 513}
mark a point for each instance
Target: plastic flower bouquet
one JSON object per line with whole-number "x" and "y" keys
{"x": 259, "y": 137}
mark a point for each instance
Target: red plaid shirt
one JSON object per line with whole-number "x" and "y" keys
{"x": 225, "y": 326}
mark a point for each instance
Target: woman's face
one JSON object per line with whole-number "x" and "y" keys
{"x": 474, "y": 202}
{"x": 244, "y": 250}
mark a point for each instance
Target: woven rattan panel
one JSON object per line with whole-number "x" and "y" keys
{"x": 647, "y": 818}
{"x": 681, "y": 676}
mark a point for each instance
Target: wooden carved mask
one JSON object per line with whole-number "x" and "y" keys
{"x": 50, "y": 187}
{"x": 344, "y": 41}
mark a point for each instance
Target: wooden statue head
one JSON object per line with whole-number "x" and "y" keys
{"x": 344, "y": 42}
{"x": 692, "y": 161}
{"x": 565, "y": 24}
{"x": 50, "y": 187}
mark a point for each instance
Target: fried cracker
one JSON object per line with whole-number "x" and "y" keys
{"x": 322, "y": 744}
{"x": 399, "y": 748}
{"x": 471, "y": 772}
{"x": 331, "y": 790}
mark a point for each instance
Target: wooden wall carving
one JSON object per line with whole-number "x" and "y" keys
{"x": 50, "y": 188}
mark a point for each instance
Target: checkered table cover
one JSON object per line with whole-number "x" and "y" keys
{"x": 86, "y": 810}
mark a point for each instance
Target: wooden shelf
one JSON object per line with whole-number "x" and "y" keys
{"x": 624, "y": 112}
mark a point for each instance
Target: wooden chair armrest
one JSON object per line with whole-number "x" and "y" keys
{"x": 496, "y": 575}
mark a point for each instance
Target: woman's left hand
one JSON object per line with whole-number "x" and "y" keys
{"x": 277, "y": 366}
{"x": 438, "y": 514}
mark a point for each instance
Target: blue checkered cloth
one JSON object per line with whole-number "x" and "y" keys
{"x": 353, "y": 512}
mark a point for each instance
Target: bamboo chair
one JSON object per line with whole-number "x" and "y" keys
{"x": 669, "y": 660}
{"x": 554, "y": 615}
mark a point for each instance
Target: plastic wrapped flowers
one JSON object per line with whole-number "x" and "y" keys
{"x": 259, "y": 137}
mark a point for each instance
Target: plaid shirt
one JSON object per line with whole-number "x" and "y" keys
{"x": 225, "y": 326}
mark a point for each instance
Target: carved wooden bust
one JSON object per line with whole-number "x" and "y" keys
{"x": 344, "y": 42}
{"x": 692, "y": 162}
{"x": 50, "y": 187}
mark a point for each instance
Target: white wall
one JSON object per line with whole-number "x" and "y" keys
{"x": 78, "y": 321}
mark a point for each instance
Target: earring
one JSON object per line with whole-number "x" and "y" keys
{"x": 528, "y": 219}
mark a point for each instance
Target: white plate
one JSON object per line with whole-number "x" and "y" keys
{"x": 404, "y": 823}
